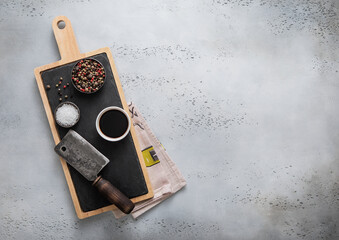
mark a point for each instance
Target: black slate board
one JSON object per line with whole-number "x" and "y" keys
{"x": 124, "y": 170}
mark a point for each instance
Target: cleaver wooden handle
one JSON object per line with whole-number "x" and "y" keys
{"x": 113, "y": 195}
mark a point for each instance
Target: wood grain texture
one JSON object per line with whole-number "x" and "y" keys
{"x": 69, "y": 52}
{"x": 113, "y": 195}
{"x": 65, "y": 39}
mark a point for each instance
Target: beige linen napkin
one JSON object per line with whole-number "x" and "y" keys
{"x": 163, "y": 173}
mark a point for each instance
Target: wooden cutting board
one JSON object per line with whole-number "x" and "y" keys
{"x": 126, "y": 170}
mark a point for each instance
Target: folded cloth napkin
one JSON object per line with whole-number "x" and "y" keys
{"x": 164, "y": 175}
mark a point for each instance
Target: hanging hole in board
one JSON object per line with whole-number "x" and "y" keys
{"x": 61, "y": 24}
{"x": 63, "y": 149}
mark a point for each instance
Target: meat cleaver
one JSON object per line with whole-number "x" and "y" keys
{"x": 88, "y": 161}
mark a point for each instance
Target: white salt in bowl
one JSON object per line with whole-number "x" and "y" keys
{"x": 67, "y": 114}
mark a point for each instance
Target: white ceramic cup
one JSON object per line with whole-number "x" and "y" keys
{"x": 97, "y": 124}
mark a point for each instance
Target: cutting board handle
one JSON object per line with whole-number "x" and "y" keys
{"x": 65, "y": 38}
{"x": 113, "y": 195}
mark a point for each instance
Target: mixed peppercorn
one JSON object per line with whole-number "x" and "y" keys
{"x": 61, "y": 88}
{"x": 88, "y": 76}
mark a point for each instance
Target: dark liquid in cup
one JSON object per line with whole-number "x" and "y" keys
{"x": 113, "y": 123}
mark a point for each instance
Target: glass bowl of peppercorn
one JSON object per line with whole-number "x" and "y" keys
{"x": 88, "y": 75}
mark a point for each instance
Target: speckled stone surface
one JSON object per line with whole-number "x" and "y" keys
{"x": 244, "y": 95}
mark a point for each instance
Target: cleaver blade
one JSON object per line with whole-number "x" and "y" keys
{"x": 88, "y": 161}
{"x": 81, "y": 155}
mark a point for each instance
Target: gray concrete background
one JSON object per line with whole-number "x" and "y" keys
{"x": 242, "y": 93}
